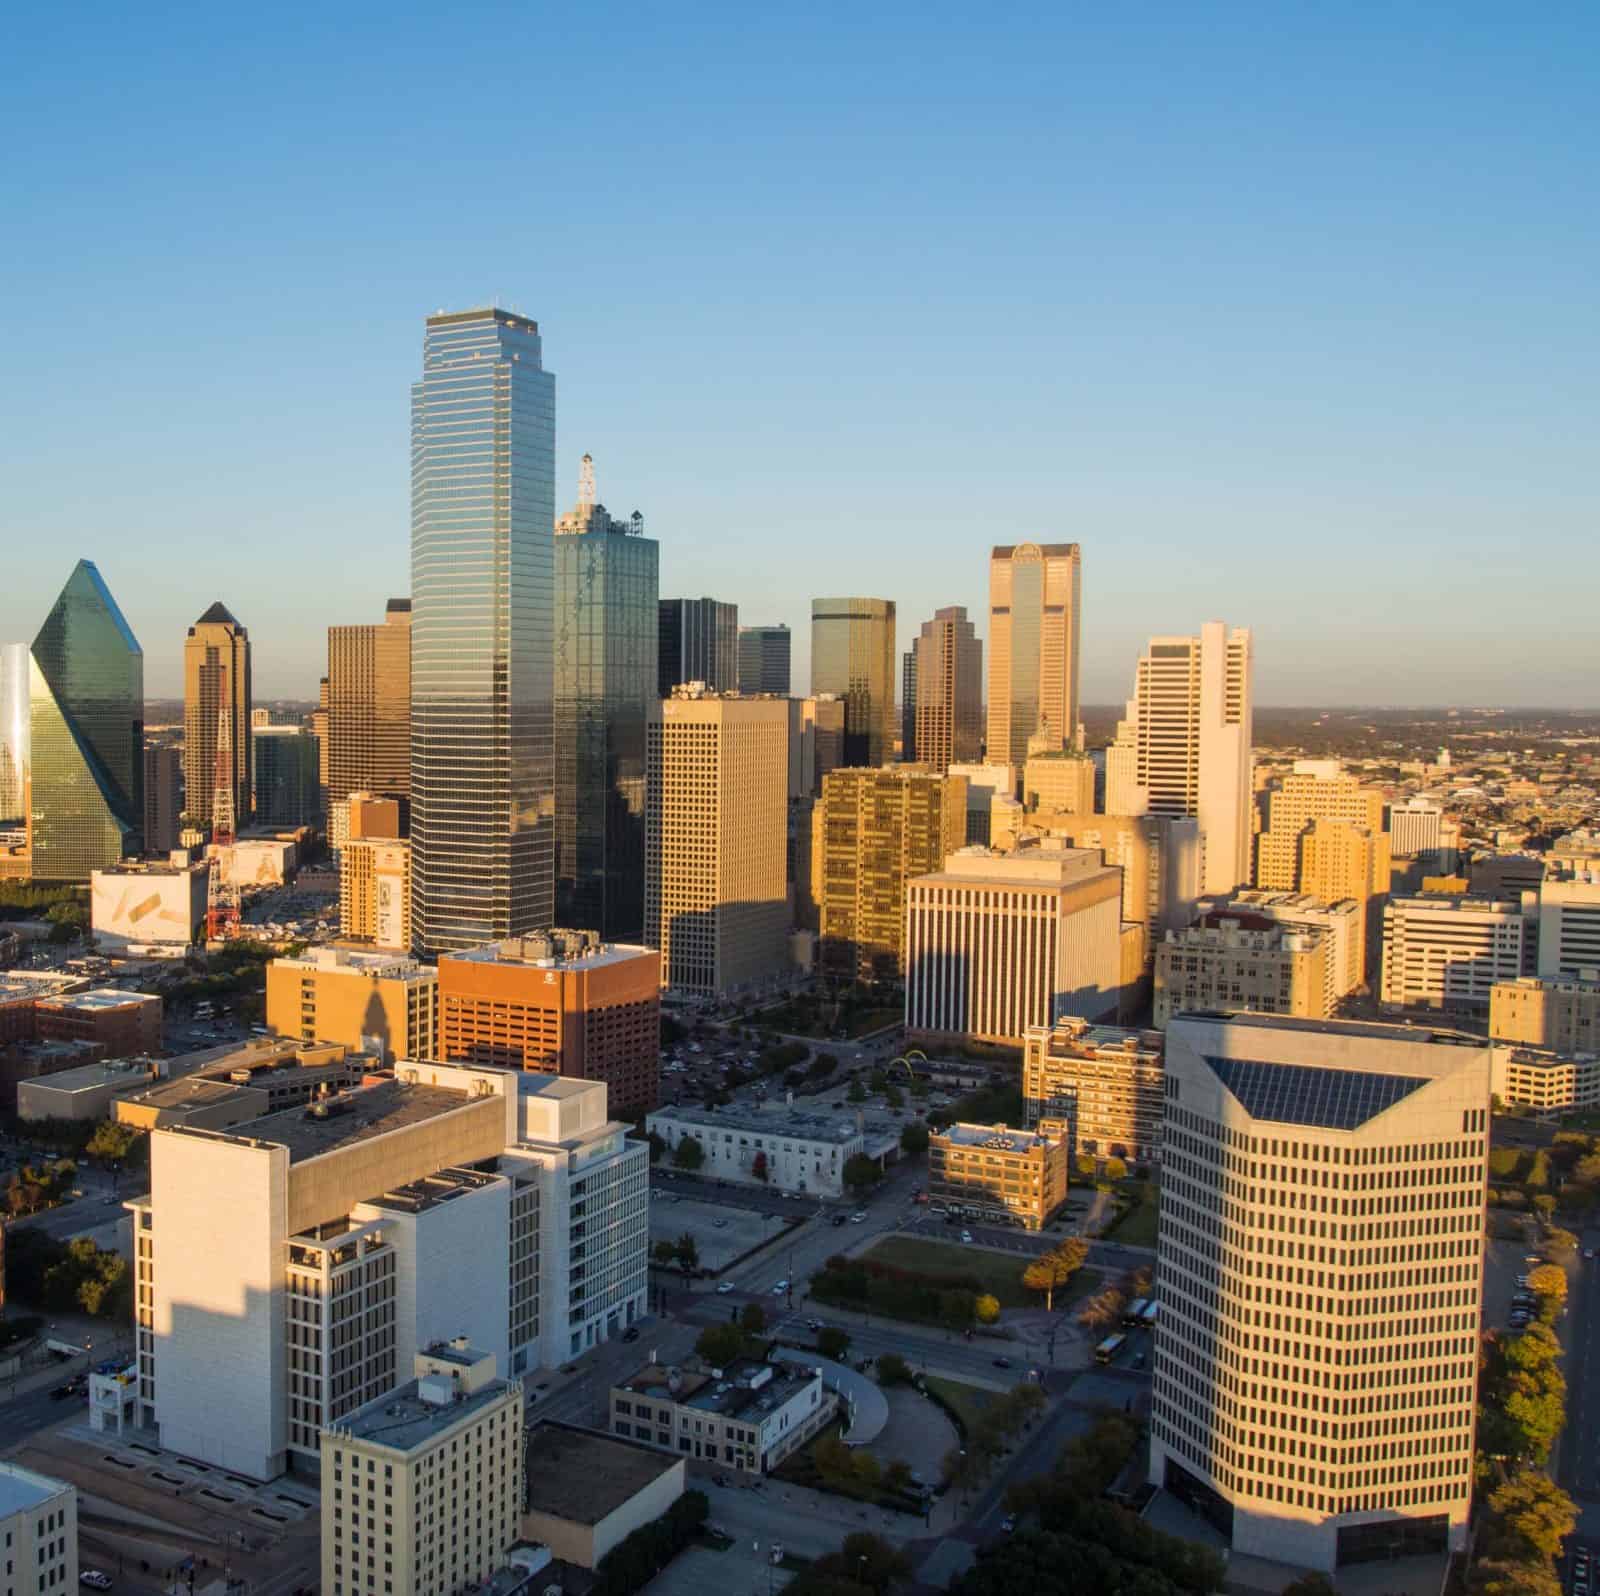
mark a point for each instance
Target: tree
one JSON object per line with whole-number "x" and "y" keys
{"x": 753, "y": 1319}
{"x": 897, "y": 1474}
{"x": 1544, "y": 1205}
{"x": 1313, "y": 1584}
{"x": 985, "y": 1309}
{"x": 1549, "y": 1285}
{"x": 689, "y": 1154}
{"x": 893, "y": 1097}
{"x": 758, "y": 1167}
{"x": 1531, "y": 1516}
{"x": 856, "y": 1094}
{"x": 687, "y": 1251}
{"x": 720, "y": 1344}
{"x": 1052, "y": 1270}
{"x": 665, "y": 1252}
{"x": 1102, "y": 1310}
{"x": 111, "y": 1142}
{"x": 658, "y": 1147}
{"x": 861, "y": 1173}
{"x": 1115, "y": 1169}
{"x": 832, "y": 1342}
{"x": 1558, "y": 1244}
{"x": 914, "y": 1139}
{"x": 1493, "y": 1577}
{"x": 892, "y": 1369}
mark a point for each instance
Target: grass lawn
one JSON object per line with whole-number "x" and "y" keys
{"x": 875, "y": 1020}
{"x": 1136, "y": 1227}
{"x": 968, "y": 1402}
{"x": 1000, "y": 1274}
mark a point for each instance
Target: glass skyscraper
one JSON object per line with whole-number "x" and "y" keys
{"x": 607, "y": 586}
{"x": 482, "y": 578}
{"x": 852, "y": 656}
{"x": 85, "y": 734}
{"x": 15, "y": 673}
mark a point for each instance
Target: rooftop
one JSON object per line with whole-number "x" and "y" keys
{"x": 191, "y": 1092}
{"x": 747, "y": 1388}
{"x": 1376, "y": 1030}
{"x": 358, "y": 962}
{"x": 31, "y": 985}
{"x": 432, "y": 1191}
{"x": 91, "y": 1077}
{"x": 780, "y": 1120}
{"x": 1305, "y": 1094}
{"x": 21, "y": 1488}
{"x": 100, "y": 1000}
{"x": 996, "y": 1138}
{"x": 405, "y": 1420}
{"x": 584, "y": 1476}
{"x": 554, "y": 950}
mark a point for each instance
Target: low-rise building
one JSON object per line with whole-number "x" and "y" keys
{"x": 385, "y": 1003}
{"x": 117, "y": 1022}
{"x": 1446, "y": 951}
{"x": 1103, "y": 1083}
{"x": 422, "y": 1488}
{"x": 214, "y": 1098}
{"x": 38, "y": 1533}
{"x": 1548, "y": 1012}
{"x": 999, "y": 1175}
{"x": 588, "y": 1492}
{"x": 84, "y": 1094}
{"x": 257, "y": 861}
{"x": 148, "y": 907}
{"x": 1277, "y": 970}
{"x": 1548, "y": 1081}
{"x": 1340, "y": 924}
{"x": 748, "y": 1416}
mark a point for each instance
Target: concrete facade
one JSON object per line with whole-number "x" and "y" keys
{"x": 38, "y": 1533}
{"x": 159, "y": 907}
{"x": 387, "y": 1002}
{"x": 1446, "y": 951}
{"x": 1550, "y": 1013}
{"x": 1103, "y": 1083}
{"x": 375, "y": 892}
{"x": 1035, "y": 600}
{"x": 999, "y": 1175}
{"x": 1227, "y": 965}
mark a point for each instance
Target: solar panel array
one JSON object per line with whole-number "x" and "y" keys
{"x": 1304, "y": 1094}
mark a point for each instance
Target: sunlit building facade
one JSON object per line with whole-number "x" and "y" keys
{"x": 216, "y": 676}
{"x": 853, "y": 657}
{"x": 948, "y": 726}
{"x": 369, "y": 705}
{"x": 1035, "y": 591}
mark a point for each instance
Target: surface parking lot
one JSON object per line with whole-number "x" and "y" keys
{"x": 722, "y": 1230}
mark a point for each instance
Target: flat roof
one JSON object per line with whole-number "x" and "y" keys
{"x": 102, "y": 998}
{"x": 431, "y": 1191}
{"x": 189, "y": 1091}
{"x": 802, "y": 1124}
{"x": 998, "y": 1138}
{"x": 31, "y": 984}
{"x": 597, "y": 958}
{"x": 403, "y": 1421}
{"x": 1376, "y": 1029}
{"x": 584, "y": 1476}
{"x": 21, "y": 1488}
{"x": 728, "y": 1394}
{"x": 90, "y": 1077}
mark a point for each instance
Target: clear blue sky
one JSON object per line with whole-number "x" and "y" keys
{"x": 1287, "y": 313}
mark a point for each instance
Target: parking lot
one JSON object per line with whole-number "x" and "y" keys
{"x": 722, "y": 1229}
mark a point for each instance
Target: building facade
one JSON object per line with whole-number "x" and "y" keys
{"x": 149, "y": 906}
{"x": 85, "y": 741}
{"x": 562, "y": 1002}
{"x": 1569, "y": 918}
{"x": 1102, "y": 1083}
{"x": 853, "y": 657}
{"x": 716, "y": 899}
{"x": 38, "y": 1532}
{"x": 216, "y": 676}
{"x": 1321, "y": 1267}
{"x": 1548, "y": 1082}
{"x": 949, "y": 691}
{"x": 1546, "y": 1012}
{"x": 375, "y": 893}
{"x": 697, "y": 640}
{"x": 998, "y": 943}
{"x": 607, "y": 595}
{"x": 1035, "y": 593}
{"x": 1058, "y": 781}
{"x": 482, "y": 595}
{"x": 384, "y": 1003}
{"x": 369, "y": 706}
{"x": 163, "y": 796}
{"x": 997, "y": 1175}
{"x": 1447, "y": 951}
{"x": 1341, "y": 923}
{"x": 1227, "y": 965}
{"x": 287, "y": 763}
{"x": 764, "y": 660}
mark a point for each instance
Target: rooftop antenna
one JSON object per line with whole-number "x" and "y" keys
{"x": 586, "y": 481}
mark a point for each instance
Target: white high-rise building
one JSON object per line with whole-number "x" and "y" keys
{"x": 1183, "y": 747}
{"x": 1321, "y": 1268}
{"x": 1569, "y": 917}
{"x": 1447, "y": 951}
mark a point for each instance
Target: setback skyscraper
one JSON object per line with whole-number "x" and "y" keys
{"x": 764, "y": 660}
{"x": 949, "y": 690}
{"x": 607, "y": 586}
{"x": 698, "y": 642}
{"x": 216, "y": 672}
{"x": 852, "y": 657}
{"x": 85, "y": 734}
{"x": 369, "y": 706}
{"x": 482, "y": 584}
{"x": 1034, "y": 592}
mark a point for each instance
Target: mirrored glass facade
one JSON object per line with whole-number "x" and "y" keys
{"x": 699, "y": 642}
{"x": 482, "y": 581}
{"x": 85, "y": 733}
{"x": 607, "y": 586}
{"x": 853, "y": 657}
{"x": 14, "y": 673}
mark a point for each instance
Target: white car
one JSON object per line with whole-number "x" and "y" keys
{"x": 94, "y": 1579}
{"x": 781, "y": 1287}
{"x": 724, "y": 1288}
{"x": 966, "y": 1235}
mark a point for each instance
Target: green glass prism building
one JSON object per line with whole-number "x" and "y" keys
{"x": 607, "y": 587}
{"x": 482, "y": 583}
{"x": 85, "y": 734}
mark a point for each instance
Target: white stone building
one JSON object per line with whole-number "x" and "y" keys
{"x": 38, "y": 1533}
{"x": 1445, "y": 951}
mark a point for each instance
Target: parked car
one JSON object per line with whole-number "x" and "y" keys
{"x": 966, "y": 1235}
{"x": 94, "y": 1579}
{"x": 724, "y": 1288}
{"x": 1002, "y": 1363}
{"x": 781, "y": 1287}
{"x": 631, "y": 1333}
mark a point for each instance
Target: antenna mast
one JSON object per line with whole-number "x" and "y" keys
{"x": 586, "y": 481}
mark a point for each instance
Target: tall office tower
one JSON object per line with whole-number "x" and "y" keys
{"x": 1186, "y": 742}
{"x": 816, "y": 743}
{"x": 1159, "y": 856}
{"x": 216, "y": 673}
{"x": 764, "y": 660}
{"x": 286, "y": 764}
{"x": 872, "y": 832}
{"x": 163, "y": 796}
{"x": 319, "y": 726}
{"x": 1340, "y": 860}
{"x": 369, "y": 705}
{"x": 482, "y": 632}
{"x": 908, "y": 706}
{"x": 949, "y": 690}
{"x": 852, "y": 657}
{"x": 1034, "y": 593}
{"x": 1415, "y": 826}
{"x": 14, "y": 674}
{"x": 607, "y": 587}
{"x": 85, "y": 734}
{"x": 1315, "y": 1377}
{"x": 697, "y": 640}
{"x": 375, "y": 892}
{"x": 715, "y": 902}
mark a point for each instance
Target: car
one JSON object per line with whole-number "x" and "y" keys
{"x": 813, "y": 1325}
{"x": 724, "y": 1288}
{"x": 94, "y": 1579}
{"x": 631, "y": 1333}
{"x": 1008, "y": 1524}
{"x": 719, "y": 1224}
{"x": 781, "y": 1287}
{"x": 858, "y": 1219}
{"x": 1522, "y": 1280}
{"x": 60, "y": 1393}
{"x": 966, "y": 1235}
{"x": 1002, "y": 1363}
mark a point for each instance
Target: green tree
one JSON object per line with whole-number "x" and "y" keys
{"x": 1530, "y": 1516}
{"x": 855, "y": 1094}
{"x": 689, "y": 1154}
{"x": 893, "y": 1097}
{"x": 1544, "y": 1205}
{"x": 753, "y": 1319}
{"x": 1558, "y": 1244}
{"x": 1549, "y": 1285}
{"x": 832, "y": 1342}
{"x": 914, "y": 1139}
{"x": 111, "y": 1142}
{"x": 720, "y": 1344}
{"x": 1115, "y": 1169}
{"x": 986, "y": 1309}
{"x": 893, "y": 1369}
{"x": 687, "y": 1251}
{"x": 658, "y": 1147}
{"x": 861, "y": 1173}
{"x": 665, "y": 1253}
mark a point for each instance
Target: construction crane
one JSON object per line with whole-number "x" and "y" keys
{"x": 222, "y": 893}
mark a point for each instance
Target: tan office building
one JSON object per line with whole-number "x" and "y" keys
{"x": 873, "y": 831}
{"x": 1318, "y": 789}
{"x": 949, "y": 689}
{"x": 1342, "y": 923}
{"x": 1447, "y": 951}
{"x": 1102, "y": 1082}
{"x": 1058, "y": 781}
{"x": 1158, "y": 855}
{"x": 387, "y": 1002}
{"x": 1547, "y": 1012}
{"x": 1549, "y": 1082}
{"x": 1035, "y": 591}
{"x": 422, "y": 1489}
{"x": 997, "y": 1175}
{"x": 1321, "y": 1267}
{"x": 1225, "y": 965}
{"x": 216, "y": 674}
{"x": 369, "y": 706}
{"x": 375, "y": 893}
{"x": 716, "y": 816}
{"x": 996, "y": 943}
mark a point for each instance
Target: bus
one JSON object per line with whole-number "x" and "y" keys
{"x": 1147, "y": 1319}
{"x": 1133, "y": 1314}
{"x": 1108, "y": 1349}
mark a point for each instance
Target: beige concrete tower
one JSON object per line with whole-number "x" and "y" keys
{"x": 949, "y": 687}
{"x": 216, "y": 672}
{"x": 1034, "y": 593}
{"x": 369, "y": 706}
{"x": 716, "y": 805}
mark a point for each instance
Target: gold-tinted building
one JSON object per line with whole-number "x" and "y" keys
{"x": 949, "y": 691}
{"x": 1057, "y": 781}
{"x": 1034, "y": 595}
{"x": 998, "y": 1175}
{"x": 1228, "y": 966}
{"x": 375, "y": 892}
{"x": 872, "y": 831}
{"x": 852, "y": 657}
{"x": 716, "y": 811}
{"x": 216, "y": 673}
{"x": 1101, "y": 1081}
{"x": 378, "y": 1001}
{"x": 369, "y": 705}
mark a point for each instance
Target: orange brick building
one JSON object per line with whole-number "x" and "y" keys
{"x": 561, "y": 1002}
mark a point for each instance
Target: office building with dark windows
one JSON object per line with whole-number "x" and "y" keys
{"x": 85, "y": 734}
{"x": 853, "y": 657}
{"x": 764, "y": 660}
{"x": 216, "y": 676}
{"x": 947, "y": 691}
{"x": 607, "y": 586}
{"x": 482, "y": 591}
{"x": 1321, "y": 1268}
{"x": 286, "y": 760}
{"x": 697, "y": 641}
